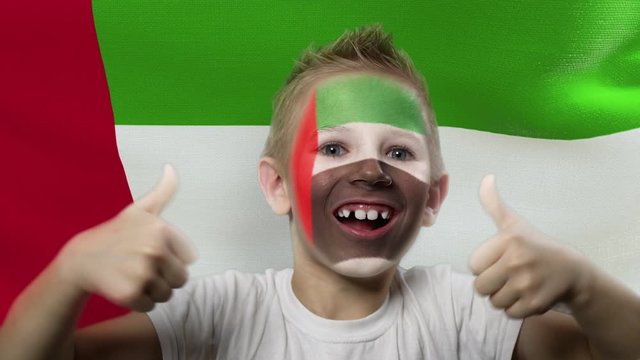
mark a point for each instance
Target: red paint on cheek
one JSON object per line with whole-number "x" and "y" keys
{"x": 302, "y": 160}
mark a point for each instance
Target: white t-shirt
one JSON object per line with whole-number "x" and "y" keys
{"x": 430, "y": 313}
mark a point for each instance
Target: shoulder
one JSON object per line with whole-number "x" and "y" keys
{"x": 212, "y": 294}
{"x": 208, "y": 305}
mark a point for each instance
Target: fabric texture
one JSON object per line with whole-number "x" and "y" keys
{"x": 431, "y": 313}
{"x": 544, "y": 69}
{"x": 61, "y": 171}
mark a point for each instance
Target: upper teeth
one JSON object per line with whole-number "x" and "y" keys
{"x": 362, "y": 214}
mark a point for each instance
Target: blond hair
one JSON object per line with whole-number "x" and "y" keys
{"x": 366, "y": 49}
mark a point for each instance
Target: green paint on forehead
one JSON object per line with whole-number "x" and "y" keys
{"x": 368, "y": 98}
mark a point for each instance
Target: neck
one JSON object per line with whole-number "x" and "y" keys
{"x": 335, "y": 296}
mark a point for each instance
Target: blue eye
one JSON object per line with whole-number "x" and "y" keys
{"x": 400, "y": 153}
{"x": 332, "y": 150}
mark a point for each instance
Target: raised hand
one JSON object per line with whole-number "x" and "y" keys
{"x": 521, "y": 269}
{"x": 134, "y": 259}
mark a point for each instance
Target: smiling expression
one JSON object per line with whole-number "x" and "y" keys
{"x": 360, "y": 170}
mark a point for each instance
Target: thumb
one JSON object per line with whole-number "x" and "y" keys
{"x": 492, "y": 202}
{"x": 156, "y": 200}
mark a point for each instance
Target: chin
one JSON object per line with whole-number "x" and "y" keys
{"x": 363, "y": 267}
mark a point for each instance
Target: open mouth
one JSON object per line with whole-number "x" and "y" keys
{"x": 364, "y": 220}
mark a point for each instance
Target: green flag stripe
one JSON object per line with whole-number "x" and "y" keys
{"x": 491, "y": 66}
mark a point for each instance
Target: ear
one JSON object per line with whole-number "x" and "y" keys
{"x": 437, "y": 193}
{"x": 273, "y": 186}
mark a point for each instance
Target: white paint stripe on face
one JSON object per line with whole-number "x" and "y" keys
{"x": 363, "y": 267}
{"x": 362, "y": 141}
{"x": 583, "y": 193}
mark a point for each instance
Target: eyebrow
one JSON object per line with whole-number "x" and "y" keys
{"x": 340, "y": 128}
{"x": 332, "y": 129}
{"x": 407, "y": 135}
{"x": 400, "y": 133}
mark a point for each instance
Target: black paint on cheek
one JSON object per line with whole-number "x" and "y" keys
{"x": 332, "y": 187}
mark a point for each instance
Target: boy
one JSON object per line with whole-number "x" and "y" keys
{"x": 353, "y": 159}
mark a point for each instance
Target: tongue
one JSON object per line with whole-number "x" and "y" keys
{"x": 359, "y": 225}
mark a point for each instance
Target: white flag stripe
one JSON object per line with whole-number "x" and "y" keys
{"x": 364, "y": 138}
{"x": 582, "y": 192}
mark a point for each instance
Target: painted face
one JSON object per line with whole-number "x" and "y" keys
{"x": 360, "y": 170}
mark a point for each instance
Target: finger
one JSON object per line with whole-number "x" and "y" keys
{"x": 528, "y": 306}
{"x": 174, "y": 272}
{"x": 156, "y": 200}
{"x": 121, "y": 291}
{"x": 141, "y": 303}
{"x": 487, "y": 254}
{"x": 492, "y": 202}
{"x": 521, "y": 309}
{"x": 505, "y": 297}
{"x": 492, "y": 279}
{"x": 180, "y": 245}
{"x": 157, "y": 290}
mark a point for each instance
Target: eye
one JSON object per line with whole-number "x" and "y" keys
{"x": 400, "y": 153}
{"x": 332, "y": 150}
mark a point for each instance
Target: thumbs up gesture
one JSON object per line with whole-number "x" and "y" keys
{"x": 521, "y": 269}
{"x": 135, "y": 259}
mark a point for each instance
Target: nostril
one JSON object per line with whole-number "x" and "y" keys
{"x": 384, "y": 180}
{"x": 379, "y": 179}
{"x": 372, "y": 173}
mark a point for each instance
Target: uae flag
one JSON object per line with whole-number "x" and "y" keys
{"x": 96, "y": 97}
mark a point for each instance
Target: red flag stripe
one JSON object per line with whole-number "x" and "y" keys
{"x": 61, "y": 172}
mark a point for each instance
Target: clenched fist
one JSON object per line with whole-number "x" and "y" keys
{"x": 521, "y": 269}
{"x": 134, "y": 259}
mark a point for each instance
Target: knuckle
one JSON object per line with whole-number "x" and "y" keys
{"x": 516, "y": 312}
{"x": 537, "y": 306}
{"x": 128, "y": 296}
{"x": 152, "y": 251}
{"x": 180, "y": 278}
{"x": 144, "y": 274}
{"x": 512, "y": 313}
{"x": 496, "y": 302}
{"x": 501, "y": 302}
{"x": 510, "y": 220}
{"x": 517, "y": 240}
{"x": 519, "y": 259}
{"x": 164, "y": 296}
{"x": 524, "y": 283}
{"x": 480, "y": 286}
{"x": 183, "y": 277}
{"x": 158, "y": 228}
{"x": 514, "y": 265}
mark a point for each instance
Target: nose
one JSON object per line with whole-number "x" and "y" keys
{"x": 370, "y": 172}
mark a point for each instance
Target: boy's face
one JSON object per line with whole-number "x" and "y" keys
{"x": 359, "y": 173}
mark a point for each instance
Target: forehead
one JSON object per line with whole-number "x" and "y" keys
{"x": 367, "y": 98}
